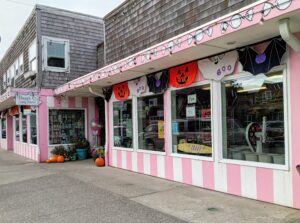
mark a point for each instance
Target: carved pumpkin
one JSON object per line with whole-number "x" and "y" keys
{"x": 100, "y": 162}
{"x": 183, "y": 75}
{"x": 121, "y": 91}
{"x": 60, "y": 159}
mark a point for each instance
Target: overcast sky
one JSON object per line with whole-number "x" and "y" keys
{"x": 13, "y": 14}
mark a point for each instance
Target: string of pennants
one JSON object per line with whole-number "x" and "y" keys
{"x": 213, "y": 68}
{"x": 193, "y": 38}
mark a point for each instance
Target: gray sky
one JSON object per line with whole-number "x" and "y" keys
{"x": 13, "y": 14}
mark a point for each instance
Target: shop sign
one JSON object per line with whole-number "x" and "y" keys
{"x": 194, "y": 148}
{"x": 27, "y": 111}
{"x": 27, "y": 99}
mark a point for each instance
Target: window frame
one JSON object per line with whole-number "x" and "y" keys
{"x": 287, "y": 121}
{"x": 45, "y": 67}
{"x": 33, "y": 43}
{"x": 1, "y": 124}
{"x": 134, "y": 124}
{"x": 213, "y": 123}
{"x": 48, "y": 132}
{"x": 137, "y": 122}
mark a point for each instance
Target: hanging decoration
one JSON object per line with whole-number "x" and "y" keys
{"x": 158, "y": 82}
{"x": 256, "y": 63}
{"x": 107, "y": 92}
{"x": 183, "y": 75}
{"x": 121, "y": 91}
{"x": 138, "y": 86}
{"x": 215, "y": 68}
{"x": 13, "y": 111}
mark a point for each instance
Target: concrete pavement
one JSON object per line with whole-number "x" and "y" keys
{"x": 80, "y": 192}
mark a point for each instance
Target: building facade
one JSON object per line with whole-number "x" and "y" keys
{"x": 53, "y": 47}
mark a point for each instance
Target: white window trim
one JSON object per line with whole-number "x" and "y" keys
{"x": 134, "y": 124}
{"x": 138, "y": 146}
{"x": 45, "y": 66}
{"x": 213, "y": 123}
{"x": 287, "y": 121}
{"x": 20, "y": 72}
{"x": 48, "y": 132}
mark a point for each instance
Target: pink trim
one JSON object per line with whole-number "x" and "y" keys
{"x": 43, "y": 128}
{"x": 85, "y": 104}
{"x": 71, "y": 102}
{"x": 295, "y": 111}
{"x": 153, "y": 165}
{"x": 10, "y": 133}
{"x": 129, "y": 160}
{"x": 119, "y": 158}
{"x": 169, "y": 168}
{"x": 234, "y": 179}
{"x": 140, "y": 160}
{"x": 208, "y": 175}
{"x": 264, "y": 184}
{"x": 167, "y": 113}
{"x": 187, "y": 176}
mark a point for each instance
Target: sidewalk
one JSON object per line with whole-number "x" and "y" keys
{"x": 80, "y": 192}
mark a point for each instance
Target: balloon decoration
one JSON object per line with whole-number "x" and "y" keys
{"x": 158, "y": 82}
{"x": 215, "y": 68}
{"x": 256, "y": 63}
{"x": 121, "y": 91}
{"x": 183, "y": 75}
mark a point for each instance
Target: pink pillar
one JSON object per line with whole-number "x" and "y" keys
{"x": 10, "y": 133}
{"x": 43, "y": 128}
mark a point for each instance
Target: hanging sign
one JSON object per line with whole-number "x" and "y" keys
{"x": 161, "y": 129}
{"x": 27, "y": 99}
{"x": 27, "y": 111}
{"x": 138, "y": 86}
{"x": 121, "y": 91}
{"x": 215, "y": 68}
{"x": 183, "y": 75}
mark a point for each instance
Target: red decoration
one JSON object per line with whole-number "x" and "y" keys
{"x": 14, "y": 111}
{"x": 183, "y": 75}
{"x": 121, "y": 91}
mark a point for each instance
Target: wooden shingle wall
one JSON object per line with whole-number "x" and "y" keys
{"x": 139, "y": 24}
{"x": 84, "y": 34}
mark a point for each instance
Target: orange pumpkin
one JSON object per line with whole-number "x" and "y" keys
{"x": 48, "y": 161}
{"x": 121, "y": 91}
{"x": 100, "y": 162}
{"x": 53, "y": 159}
{"x": 60, "y": 159}
{"x": 184, "y": 75}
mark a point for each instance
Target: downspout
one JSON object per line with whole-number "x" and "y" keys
{"x": 106, "y": 125}
{"x": 288, "y": 36}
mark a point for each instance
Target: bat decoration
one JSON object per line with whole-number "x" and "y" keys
{"x": 158, "y": 82}
{"x": 183, "y": 75}
{"x": 257, "y": 63}
{"x": 121, "y": 91}
{"x": 107, "y": 92}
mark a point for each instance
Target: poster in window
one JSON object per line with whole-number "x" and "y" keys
{"x": 161, "y": 129}
{"x": 190, "y": 112}
{"x": 192, "y": 99}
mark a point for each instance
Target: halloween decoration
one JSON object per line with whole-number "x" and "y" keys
{"x": 138, "y": 86}
{"x": 183, "y": 75}
{"x": 215, "y": 68}
{"x": 121, "y": 91}
{"x": 60, "y": 159}
{"x": 107, "y": 92}
{"x": 257, "y": 63}
{"x": 158, "y": 82}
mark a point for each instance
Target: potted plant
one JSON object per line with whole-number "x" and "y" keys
{"x": 71, "y": 153}
{"x": 82, "y": 148}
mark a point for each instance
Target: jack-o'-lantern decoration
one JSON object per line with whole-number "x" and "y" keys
{"x": 183, "y": 75}
{"x": 121, "y": 91}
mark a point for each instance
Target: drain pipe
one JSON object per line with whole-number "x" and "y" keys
{"x": 95, "y": 93}
{"x": 288, "y": 36}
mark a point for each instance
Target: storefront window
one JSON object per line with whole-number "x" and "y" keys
{"x": 122, "y": 122}
{"x": 66, "y": 125}
{"x": 253, "y": 119}
{"x": 151, "y": 123}
{"x": 24, "y": 128}
{"x": 191, "y": 121}
{"x": 17, "y": 128}
{"x": 3, "y": 128}
{"x": 33, "y": 132}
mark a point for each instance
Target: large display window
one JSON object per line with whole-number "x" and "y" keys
{"x": 151, "y": 123}
{"x": 122, "y": 124}
{"x": 66, "y": 125}
{"x": 253, "y": 118}
{"x": 24, "y": 128}
{"x": 17, "y": 128}
{"x": 191, "y": 121}
{"x": 3, "y": 128}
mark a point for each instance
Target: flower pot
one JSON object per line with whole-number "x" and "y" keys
{"x": 81, "y": 154}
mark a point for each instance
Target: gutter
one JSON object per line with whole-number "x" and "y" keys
{"x": 288, "y": 36}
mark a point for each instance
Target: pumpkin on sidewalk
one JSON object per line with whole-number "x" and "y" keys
{"x": 60, "y": 159}
{"x": 100, "y": 162}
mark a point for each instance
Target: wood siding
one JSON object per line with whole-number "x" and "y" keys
{"x": 139, "y": 24}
